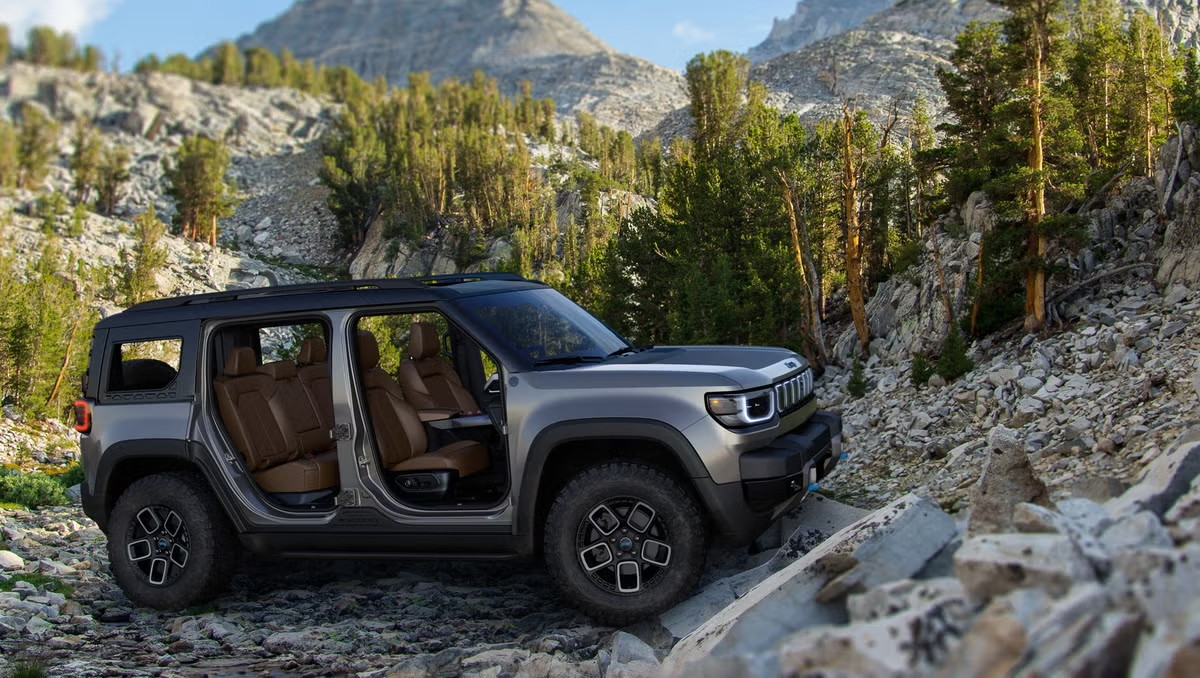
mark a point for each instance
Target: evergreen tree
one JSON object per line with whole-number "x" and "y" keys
{"x": 85, "y": 160}
{"x": 140, "y": 266}
{"x": 1187, "y": 89}
{"x": 90, "y": 60}
{"x": 228, "y": 67}
{"x": 79, "y": 215}
{"x": 1093, "y": 69}
{"x": 1147, "y": 78}
{"x": 197, "y": 184}
{"x": 857, "y": 385}
{"x": 36, "y": 145}
{"x": 50, "y": 207}
{"x": 263, "y": 68}
{"x": 716, "y": 83}
{"x": 111, "y": 178}
{"x": 46, "y": 47}
{"x": 953, "y": 361}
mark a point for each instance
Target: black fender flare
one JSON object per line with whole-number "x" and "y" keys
{"x": 576, "y": 430}
{"x": 97, "y": 502}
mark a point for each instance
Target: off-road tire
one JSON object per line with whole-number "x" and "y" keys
{"x": 213, "y": 549}
{"x": 681, "y": 519}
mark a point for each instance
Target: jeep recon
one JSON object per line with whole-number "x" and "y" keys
{"x": 475, "y": 416}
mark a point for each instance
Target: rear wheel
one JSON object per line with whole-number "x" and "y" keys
{"x": 170, "y": 545}
{"x": 624, "y": 541}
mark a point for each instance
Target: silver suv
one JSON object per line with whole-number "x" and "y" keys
{"x": 477, "y": 416}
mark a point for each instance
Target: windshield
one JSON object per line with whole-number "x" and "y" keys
{"x": 543, "y": 326}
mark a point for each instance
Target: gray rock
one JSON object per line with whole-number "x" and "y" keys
{"x": 991, "y": 565}
{"x": 1165, "y": 480}
{"x": 1008, "y": 479}
{"x": 892, "y": 543}
{"x": 11, "y": 561}
{"x": 629, "y": 657}
{"x": 1138, "y": 531}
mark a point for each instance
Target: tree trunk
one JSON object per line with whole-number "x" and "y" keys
{"x": 807, "y": 273}
{"x": 854, "y": 281}
{"x": 941, "y": 276}
{"x": 62, "y": 371}
{"x": 978, "y": 289}
{"x": 1035, "y": 281}
{"x": 212, "y": 233}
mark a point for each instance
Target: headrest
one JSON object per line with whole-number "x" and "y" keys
{"x": 283, "y": 369}
{"x": 423, "y": 341}
{"x": 241, "y": 361}
{"x": 312, "y": 351}
{"x": 368, "y": 350}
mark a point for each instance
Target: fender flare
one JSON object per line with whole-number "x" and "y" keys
{"x": 576, "y": 430}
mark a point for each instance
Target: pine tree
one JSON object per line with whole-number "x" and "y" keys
{"x": 1147, "y": 77}
{"x": 85, "y": 160}
{"x": 716, "y": 83}
{"x": 111, "y": 178}
{"x": 229, "y": 68}
{"x": 857, "y": 385}
{"x": 263, "y": 68}
{"x": 50, "y": 207}
{"x": 36, "y": 145}
{"x": 953, "y": 361}
{"x": 1093, "y": 68}
{"x": 197, "y": 184}
{"x": 853, "y": 158}
{"x": 46, "y": 47}
{"x": 1187, "y": 89}
{"x": 79, "y": 215}
{"x": 140, "y": 266}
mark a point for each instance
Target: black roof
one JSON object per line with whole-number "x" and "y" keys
{"x": 317, "y": 296}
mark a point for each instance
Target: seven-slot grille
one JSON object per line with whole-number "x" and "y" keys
{"x": 792, "y": 392}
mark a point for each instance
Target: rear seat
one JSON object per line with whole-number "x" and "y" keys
{"x": 274, "y": 425}
{"x": 313, "y": 370}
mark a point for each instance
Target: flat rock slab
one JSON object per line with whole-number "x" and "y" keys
{"x": 890, "y": 544}
{"x": 1165, "y": 480}
{"x": 992, "y": 565}
{"x": 816, "y": 519}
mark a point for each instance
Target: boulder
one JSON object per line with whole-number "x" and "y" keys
{"x": 629, "y": 657}
{"x": 1166, "y": 479}
{"x": 1038, "y": 519}
{"x": 913, "y": 640}
{"x": 1138, "y": 531}
{"x": 1008, "y": 479}
{"x": 994, "y": 564}
{"x": 890, "y": 544}
{"x": 11, "y": 561}
{"x": 1163, "y": 586}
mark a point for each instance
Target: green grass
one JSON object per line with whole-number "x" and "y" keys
{"x": 27, "y": 668}
{"x": 41, "y": 581}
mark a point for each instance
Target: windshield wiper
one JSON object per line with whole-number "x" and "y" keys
{"x": 623, "y": 350}
{"x": 568, "y": 360}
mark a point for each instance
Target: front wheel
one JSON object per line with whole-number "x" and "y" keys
{"x": 170, "y": 545}
{"x": 624, "y": 541}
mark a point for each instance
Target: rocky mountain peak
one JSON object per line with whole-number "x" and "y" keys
{"x": 814, "y": 20}
{"x": 510, "y": 40}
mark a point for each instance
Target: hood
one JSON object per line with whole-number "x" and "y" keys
{"x": 720, "y": 367}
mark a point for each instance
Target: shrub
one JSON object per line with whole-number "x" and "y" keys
{"x": 32, "y": 490}
{"x": 922, "y": 369}
{"x": 857, "y": 386}
{"x": 954, "y": 361}
{"x": 68, "y": 476}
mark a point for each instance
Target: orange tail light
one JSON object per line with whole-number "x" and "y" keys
{"x": 83, "y": 415}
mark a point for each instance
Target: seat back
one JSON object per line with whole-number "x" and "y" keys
{"x": 244, "y": 397}
{"x": 399, "y": 432}
{"x": 295, "y": 412}
{"x": 313, "y": 370}
{"x": 429, "y": 381}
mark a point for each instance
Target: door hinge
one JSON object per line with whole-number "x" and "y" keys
{"x": 340, "y": 432}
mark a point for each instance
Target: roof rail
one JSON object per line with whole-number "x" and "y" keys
{"x": 333, "y": 286}
{"x": 458, "y": 278}
{"x": 279, "y": 291}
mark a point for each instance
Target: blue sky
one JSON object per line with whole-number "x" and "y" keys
{"x": 667, "y": 32}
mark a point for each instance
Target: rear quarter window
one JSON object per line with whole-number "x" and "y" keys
{"x": 145, "y": 365}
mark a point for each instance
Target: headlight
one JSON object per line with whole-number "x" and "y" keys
{"x": 737, "y": 410}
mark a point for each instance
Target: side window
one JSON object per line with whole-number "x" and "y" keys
{"x": 394, "y": 331}
{"x": 283, "y": 342}
{"x": 144, "y": 365}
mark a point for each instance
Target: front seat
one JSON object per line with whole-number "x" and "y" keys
{"x": 429, "y": 382}
{"x": 399, "y": 432}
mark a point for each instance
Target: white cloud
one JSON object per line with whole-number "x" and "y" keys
{"x": 691, "y": 33}
{"x": 75, "y": 16}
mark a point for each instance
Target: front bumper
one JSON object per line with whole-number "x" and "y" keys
{"x": 774, "y": 478}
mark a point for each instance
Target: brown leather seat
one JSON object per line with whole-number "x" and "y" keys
{"x": 399, "y": 432}
{"x": 429, "y": 381}
{"x": 312, "y": 369}
{"x": 273, "y": 424}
